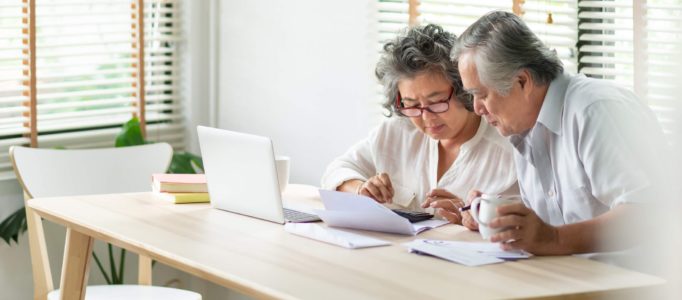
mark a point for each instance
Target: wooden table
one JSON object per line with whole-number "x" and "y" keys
{"x": 260, "y": 259}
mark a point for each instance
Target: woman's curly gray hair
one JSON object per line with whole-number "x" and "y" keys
{"x": 420, "y": 49}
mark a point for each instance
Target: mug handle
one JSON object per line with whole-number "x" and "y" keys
{"x": 474, "y": 210}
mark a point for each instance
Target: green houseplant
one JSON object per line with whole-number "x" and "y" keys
{"x": 130, "y": 135}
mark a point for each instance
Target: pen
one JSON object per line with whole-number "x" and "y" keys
{"x": 462, "y": 209}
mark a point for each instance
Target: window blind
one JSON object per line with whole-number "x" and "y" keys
{"x": 87, "y": 72}
{"x": 457, "y": 15}
{"x": 560, "y": 32}
{"x": 606, "y": 49}
{"x": 555, "y": 22}
{"x": 637, "y": 44}
{"x": 662, "y": 56}
{"x": 13, "y": 75}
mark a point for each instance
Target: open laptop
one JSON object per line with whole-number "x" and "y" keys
{"x": 242, "y": 177}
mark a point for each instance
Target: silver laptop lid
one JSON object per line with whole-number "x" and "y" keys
{"x": 241, "y": 173}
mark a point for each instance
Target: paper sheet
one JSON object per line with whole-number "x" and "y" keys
{"x": 466, "y": 253}
{"x": 360, "y": 212}
{"x": 490, "y": 249}
{"x": 334, "y": 236}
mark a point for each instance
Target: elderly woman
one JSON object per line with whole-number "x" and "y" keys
{"x": 436, "y": 149}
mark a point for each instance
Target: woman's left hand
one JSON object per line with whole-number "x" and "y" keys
{"x": 446, "y": 205}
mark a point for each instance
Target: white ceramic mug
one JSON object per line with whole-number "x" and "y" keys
{"x": 282, "y": 164}
{"x": 484, "y": 210}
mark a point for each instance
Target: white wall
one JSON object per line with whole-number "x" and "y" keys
{"x": 300, "y": 72}
{"x": 15, "y": 272}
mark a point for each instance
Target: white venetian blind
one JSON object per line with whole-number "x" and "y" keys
{"x": 606, "y": 49}
{"x": 555, "y": 22}
{"x": 638, "y": 44}
{"x": 13, "y": 74}
{"x": 456, "y": 15}
{"x": 558, "y": 32}
{"x": 662, "y": 39}
{"x": 393, "y": 16}
{"x": 87, "y": 73}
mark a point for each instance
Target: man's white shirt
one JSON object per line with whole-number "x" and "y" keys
{"x": 594, "y": 146}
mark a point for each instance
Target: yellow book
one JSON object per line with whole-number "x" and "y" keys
{"x": 178, "y": 198}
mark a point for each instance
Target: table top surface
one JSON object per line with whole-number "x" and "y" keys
{"x": 260, "y": 259}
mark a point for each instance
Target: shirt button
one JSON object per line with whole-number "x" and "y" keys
{"x": 551, "y": 193}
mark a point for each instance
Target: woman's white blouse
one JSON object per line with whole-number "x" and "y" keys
{"x": 410, "y": 158}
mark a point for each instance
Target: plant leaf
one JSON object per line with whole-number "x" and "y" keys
{"x": 112, "y": 265}
{"x": 197, "y": 161}
{"x": 131, "y": 134}
{"x": 181, "y": 164}
{"x": 121, "y": 265}
{"x": 13, "y": 226}
{"x": 101, "y": 268}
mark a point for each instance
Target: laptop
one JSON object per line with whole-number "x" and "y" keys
{"x": 242, "y": 177}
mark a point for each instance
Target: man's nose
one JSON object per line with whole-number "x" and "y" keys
{"x": 479, "y": 108}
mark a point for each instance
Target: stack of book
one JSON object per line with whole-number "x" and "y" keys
{"x": 180, "y": 188}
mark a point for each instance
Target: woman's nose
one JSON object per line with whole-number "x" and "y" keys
{"x": 427, "y": 115}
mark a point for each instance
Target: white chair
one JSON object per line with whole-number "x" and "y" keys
{"x": 52, "y": 172}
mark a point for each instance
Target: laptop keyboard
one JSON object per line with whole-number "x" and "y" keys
{"x": 295, "y": 216}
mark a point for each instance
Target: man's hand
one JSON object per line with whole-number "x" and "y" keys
{"x": 523, "y": 229}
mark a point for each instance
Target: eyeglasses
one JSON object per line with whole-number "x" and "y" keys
{"x": 436, "y": 108}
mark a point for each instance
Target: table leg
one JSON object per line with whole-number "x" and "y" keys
{"x": 76, "y": 265}
{"x": 144, "y": 270}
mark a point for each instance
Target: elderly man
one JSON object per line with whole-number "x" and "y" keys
{"x": 586, "y": 151}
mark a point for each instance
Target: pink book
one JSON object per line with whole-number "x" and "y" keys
{"x": 179, "y": 183}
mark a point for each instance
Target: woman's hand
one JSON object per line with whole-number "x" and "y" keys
{"x": 377, "y": 187}
{"x": 467, "y": 220}
{"x": 446, "y": 205}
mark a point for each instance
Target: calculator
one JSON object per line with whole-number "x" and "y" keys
{"x": 413, "y": 216}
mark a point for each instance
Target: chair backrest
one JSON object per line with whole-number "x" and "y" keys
{"x": 53, "y": 172}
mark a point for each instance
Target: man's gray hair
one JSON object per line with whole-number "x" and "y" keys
{"x": 502, "y": 45}
{"x": 420, "y": 49}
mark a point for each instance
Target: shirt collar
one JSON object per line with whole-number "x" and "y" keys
{"x": 551, "y": 111}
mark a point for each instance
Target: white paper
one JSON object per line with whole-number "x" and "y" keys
{"x": 466, "y": 253}
{"x": 428, "y": 224}
{"x": 333, "y": 236}
{"x": 462, "y": 256}
{"x": 360, "y": 212}
{"x": 490, "y": 249}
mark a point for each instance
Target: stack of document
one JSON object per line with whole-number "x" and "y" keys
{"x": 466, "y": 253}
{"x": 360, "y": 212}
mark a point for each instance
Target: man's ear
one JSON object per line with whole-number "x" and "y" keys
{"x": 525, "y": 81}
